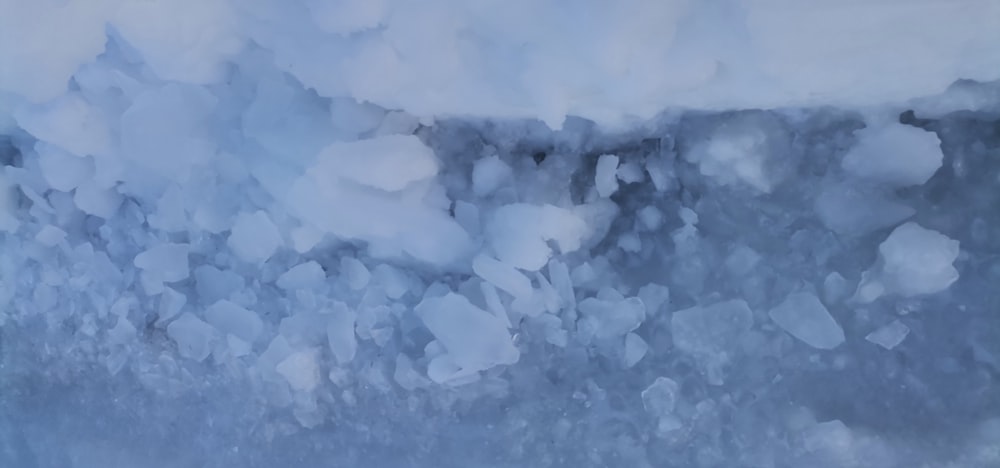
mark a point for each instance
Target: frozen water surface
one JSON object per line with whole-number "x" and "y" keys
{"x": 261, "y": 233}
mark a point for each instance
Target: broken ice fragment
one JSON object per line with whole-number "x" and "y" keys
{"x": 340, "y": 333}
{"x": 890, "y": 335}
{"x": 895, "y": 154}
{"x": 167, "y": 262}
{"x": 711, "y": 330}
{"x": 606, "y": 179}
{"x": 229, "y": 317}
{"x": 912, "y": 261}
{"x": 635, "y": 349}
{"x": 192, "y": 335}
{"x": 254, "y": 237}
{"x": 803, "y": 316}
{"x": 474, "y": 339}
{"x": 660, "y": 397}
{"x": 502, "y": 276}
{"x": 301, "y": 370}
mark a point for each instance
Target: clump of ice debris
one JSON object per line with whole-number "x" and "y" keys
{"x": 381, "y": 233}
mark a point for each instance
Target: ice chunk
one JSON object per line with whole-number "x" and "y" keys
{"x": 746, "y": 149}
{"x": 99, "y": 201}
{"x": 519, "y": 233}
{"x": 651, "y": 218}
{"x": 308, "y": 275}
{"x": 69, "y": 122}
{"x": 803, "y": 316}
{"x": 192, "y": 335}
{"x": 502, "y": 276}
{"x": 340, "y": 333}
{"x": 660, "y": 398}
{"x": 612, "y": 318}
{"x": 837, "y": 207}
{"x": 630, "y": 173}
{"x": 8, "y": 205}
{"x": 889, "y": 336}
{"x": 895, "y": 154}
{"x": 50, "y": 236}
{"x": 635, "y": 349}
{"x": 605, "y": 179}
{"x": 213, "y": 284}
{"x": 230, "y": 318}
{"x": 835, "y": 288}
{"x": 63, "y": 171}
{"x": 562, "y": 282}
{"x": 742, "y": 260}
{"x": 711, "y": 330}
{"x": 355, "y": 272}
{"x": 254, "y": 237}
{"x": 167, "y": 262}
{"x": 488, "y": 174}
{"x": 301, "y": 370}
{"x": 475, "y": 339}
{"x": 406, "y": 376}
{"x": 171, "y": 303}
{"x": 387, "y": 163}
{"x": 912, "y": 261}
{"x": 654, "y": 295}
{"x": 305, "y": 328}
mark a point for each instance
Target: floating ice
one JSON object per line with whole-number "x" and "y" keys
{"x": 803, "y": 316}
{"x": 890, "y": 335}
{"x": 166, "y": 262}
{"x": 912, "y": 261}
{"x": 711, "y": 330}
{"x": 192, "y": 335}
{"x": 340, "y": 332}
{"x": 519, "y": 233}
{"x": 230, "y": 318}
{"x": 606, "y": 179}
{"x": 254, "y": 237}
{"x": 895, "y": 154}
{"x": 308, "y": 275}
{"x": 474, "y": 339}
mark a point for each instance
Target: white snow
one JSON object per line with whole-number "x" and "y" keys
{"x": 890, "y": 335}
{"x": 605, "y": 178}
{"x": 894, "y": 154}
{"x": 254, "y": 237}
{"x": 803, "y": 316}
{"x": 474, "y": 339}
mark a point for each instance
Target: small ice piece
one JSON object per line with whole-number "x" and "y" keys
{"x": 406, "y": 376}
{"x": 50, "y": 236}
{"x": 612, "y": 318}
{"x": 895, "y": 154}
{"x": 8, "y": 205}
{"x": 631, "y": 173}
{"x": 834, "y": 288}
{"x": 389, "y": 163}
{"x": 97, "y": 201}
{"x": 254, "y": 237}
{"x": 308, "y": 275}
{"x": 493, "y": 302}
{"x": 230, "y": 318}
{"x": 651, "y": 218}
{"x": 192, "y": 335}
{"x": 711, "y": 330}
{"x": 171, "y": 303}
{"x": 562, "y": 282}
{"x": 837, "y": 208}
{"x": 890, "y": 335}
{"x": 167, "y": 262}
{"x": 301, "y": 370}
{"x": 213, "y": 284}
{"x": 635, "y": 349}
{"x": 660, "y": 398}
{"x": 502, "y": 276}
{"x": 803, "y": 316}
{"x": 915, "y": 261}
{"x": 654, "y": 295}
{"x": 63, "y": 171}
{"x": 340, "y": 333}
{"x": 474, "y": 339}
{"x": 606, "y": 179}
{"x": 488, "y": 174}
{"x": 520, "y": 233}
{"x": 355, "y": 272}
